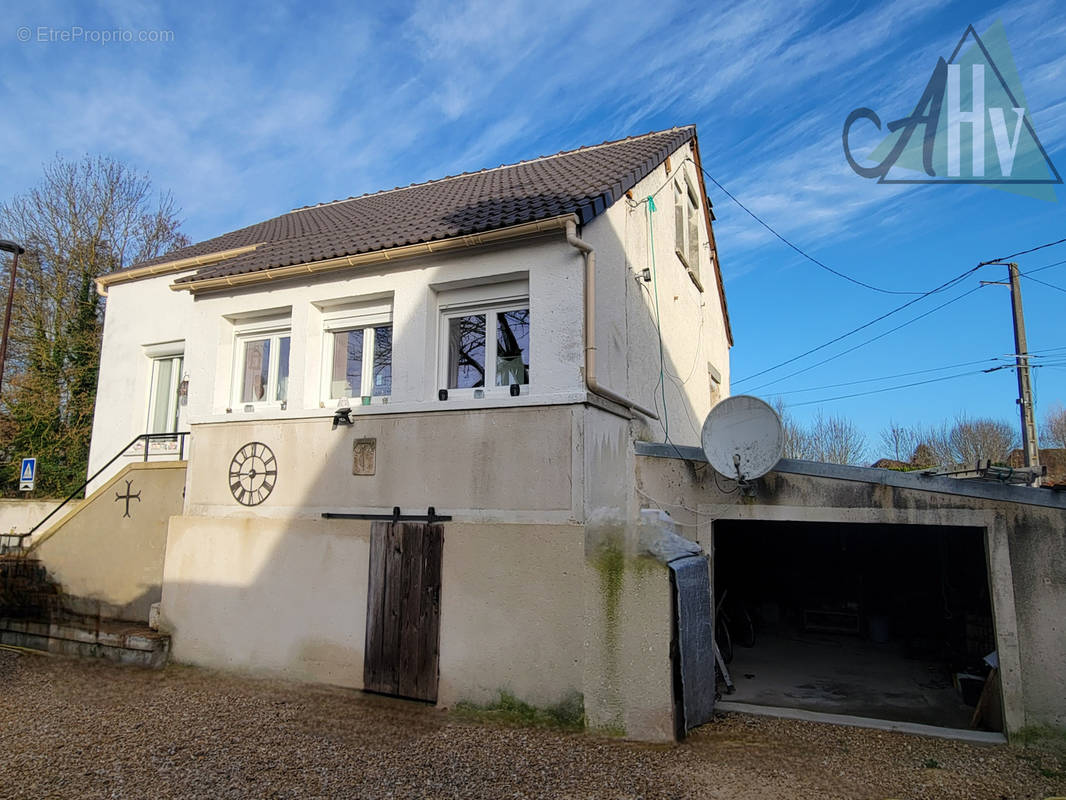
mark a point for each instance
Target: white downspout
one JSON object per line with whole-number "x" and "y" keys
{"x": 590, "y": 325}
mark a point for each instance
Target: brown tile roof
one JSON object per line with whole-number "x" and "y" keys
{"x": 584, "y": 182}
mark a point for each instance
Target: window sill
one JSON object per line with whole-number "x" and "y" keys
{"x": 489, "y": 403}
{"x": 688, "y": 268}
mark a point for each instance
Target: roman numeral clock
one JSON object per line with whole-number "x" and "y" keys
{"x": 252, "y": 474}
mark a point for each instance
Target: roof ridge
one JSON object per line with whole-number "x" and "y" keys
{"x": 489, "y": 169}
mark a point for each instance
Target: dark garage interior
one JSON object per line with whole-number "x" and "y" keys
{"x": 884, "y": 621}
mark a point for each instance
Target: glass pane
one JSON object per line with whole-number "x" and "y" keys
{"x": 466, "y": 351}
{"x": 512, "y": 347}
{"x": 161, "y": 394}
{"x": 175, "y": 387}
{"x": 347, "y": 378}
{"x": 382, "y": 377}
{"x": 256, "y": 370}
{"x": 679, "y": 220}
{"x": 281, "y": 393}
{"x": 693, "y": 253}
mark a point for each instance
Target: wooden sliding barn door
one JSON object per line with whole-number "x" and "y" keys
{"x": 403, "y": 610}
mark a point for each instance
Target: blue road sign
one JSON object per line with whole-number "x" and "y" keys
{"x": 28, "y": 475}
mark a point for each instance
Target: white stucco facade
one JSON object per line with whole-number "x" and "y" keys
{"x": 537, "y": 484}
{"x": 147, "y": 317}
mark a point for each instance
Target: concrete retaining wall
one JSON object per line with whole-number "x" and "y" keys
{"x": 110, "y": 563}
{"x": 19, "y": 516}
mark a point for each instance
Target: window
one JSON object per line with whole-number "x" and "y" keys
{"x": 163, "y": 401}
{"x": 474, "y": 359}
{"x": 360, "y": 361}
{"x": 262, "y": 366}
{"x": 687, "y": 227}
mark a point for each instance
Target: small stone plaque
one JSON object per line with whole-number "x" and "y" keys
{"x": 364, "y": 456}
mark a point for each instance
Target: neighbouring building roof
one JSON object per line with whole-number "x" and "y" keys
{"x": 916, "y": 480}
{"x": 1054, "y": 458}
{"x": 583, "y": 182}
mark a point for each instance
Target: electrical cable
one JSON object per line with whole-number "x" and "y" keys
{"x": 890, "y": 388}
{"x": 1021, "y": 253}
{"x": 942, "y": 287}
{"x": 1044, "y": 283}
{"x": 697, "y": 513}
{"x": 658, "y": 326}
{"x": 865, "y": 342}
{"x": 887, "y": 377}
{"x": 1046, "y": 266}
{"x": 800, "y": 250}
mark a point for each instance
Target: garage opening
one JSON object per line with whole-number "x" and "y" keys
{"x": 890, "y": 622}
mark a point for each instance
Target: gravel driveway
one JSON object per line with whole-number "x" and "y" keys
{"x": 90, "y": 729}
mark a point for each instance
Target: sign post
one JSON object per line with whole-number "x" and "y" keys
{"x": 28, "y": 474}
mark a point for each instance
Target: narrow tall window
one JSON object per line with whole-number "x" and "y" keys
{"x": 687, "y": 226}
{"x": 163, "y": 402}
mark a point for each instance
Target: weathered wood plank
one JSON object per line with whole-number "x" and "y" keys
{"x": 375, "y": 595}
{"x": 410, "y": 609}
{"x": 429, "y": 613}
{"x": 390, "y": 643}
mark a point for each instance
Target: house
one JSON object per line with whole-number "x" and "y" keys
{"x": 489, "y": 344}
{"x": 501, "y": 354}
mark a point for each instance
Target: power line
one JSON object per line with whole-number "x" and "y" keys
{"x": 874, "y": 321}
{"x": 896, "y": 310}
{"x": 1044, "y": 283}
{"x": 798, "y": 249}
{"x": 1021, "y": 253}
{"x": 888, "y": 388}
{"x": 887, "y": 377}
{"x": 1046, "y": 266}
{"x": 863, "y": 343}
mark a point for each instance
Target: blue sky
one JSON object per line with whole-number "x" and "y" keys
{"x": 253, "y": 109}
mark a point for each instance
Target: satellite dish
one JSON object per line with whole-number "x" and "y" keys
{"x": 743, "y": 438}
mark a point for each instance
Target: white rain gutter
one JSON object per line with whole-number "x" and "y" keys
{"x": 590, "y": 325}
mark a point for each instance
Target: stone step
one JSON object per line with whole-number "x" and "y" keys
{"x": 122, "y": 642}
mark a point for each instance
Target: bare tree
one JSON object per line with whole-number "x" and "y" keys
{"x": 797, "y": 442}
{"x": 83, "y": 220}
{"x": 900, "y": 440}
{"x": 837, "y": 440}
{"x": 1053, "y": 431}
{"x": 832, "y": 439}
{"x": 969, "y": 440}
{"x": 973, "y": 440}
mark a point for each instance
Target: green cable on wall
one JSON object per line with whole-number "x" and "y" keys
{"x": 658, "y": 326}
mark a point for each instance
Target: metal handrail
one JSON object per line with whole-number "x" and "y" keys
{"x": 144, "y": 437}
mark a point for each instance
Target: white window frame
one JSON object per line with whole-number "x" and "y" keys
{"x": 177, "y": 362}
{"x": 344, "y": 323}
{"x": 275, "y": 330}
{"x": 687, "y": 250}
{"x": 451, "y": 311}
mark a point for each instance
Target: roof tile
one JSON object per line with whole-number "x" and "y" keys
{"x": 584, "y": 182}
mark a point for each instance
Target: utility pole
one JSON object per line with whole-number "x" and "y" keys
{"x": 16, "y": 250}
{"x": 1030, "y": 446}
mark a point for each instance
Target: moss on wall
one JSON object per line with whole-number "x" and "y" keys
{"x": 567, "y": 714}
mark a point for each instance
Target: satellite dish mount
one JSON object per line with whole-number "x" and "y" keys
{"x": 743, "y": 439}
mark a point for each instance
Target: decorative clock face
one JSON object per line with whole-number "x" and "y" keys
{"x": 252, "y": 474}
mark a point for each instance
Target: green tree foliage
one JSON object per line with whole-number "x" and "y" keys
{"x": 84, "y": 219}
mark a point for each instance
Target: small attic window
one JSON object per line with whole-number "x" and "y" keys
{"x": 687, "y": 228}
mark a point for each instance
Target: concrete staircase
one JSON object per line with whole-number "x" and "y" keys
{"x": 35, "y": 613}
